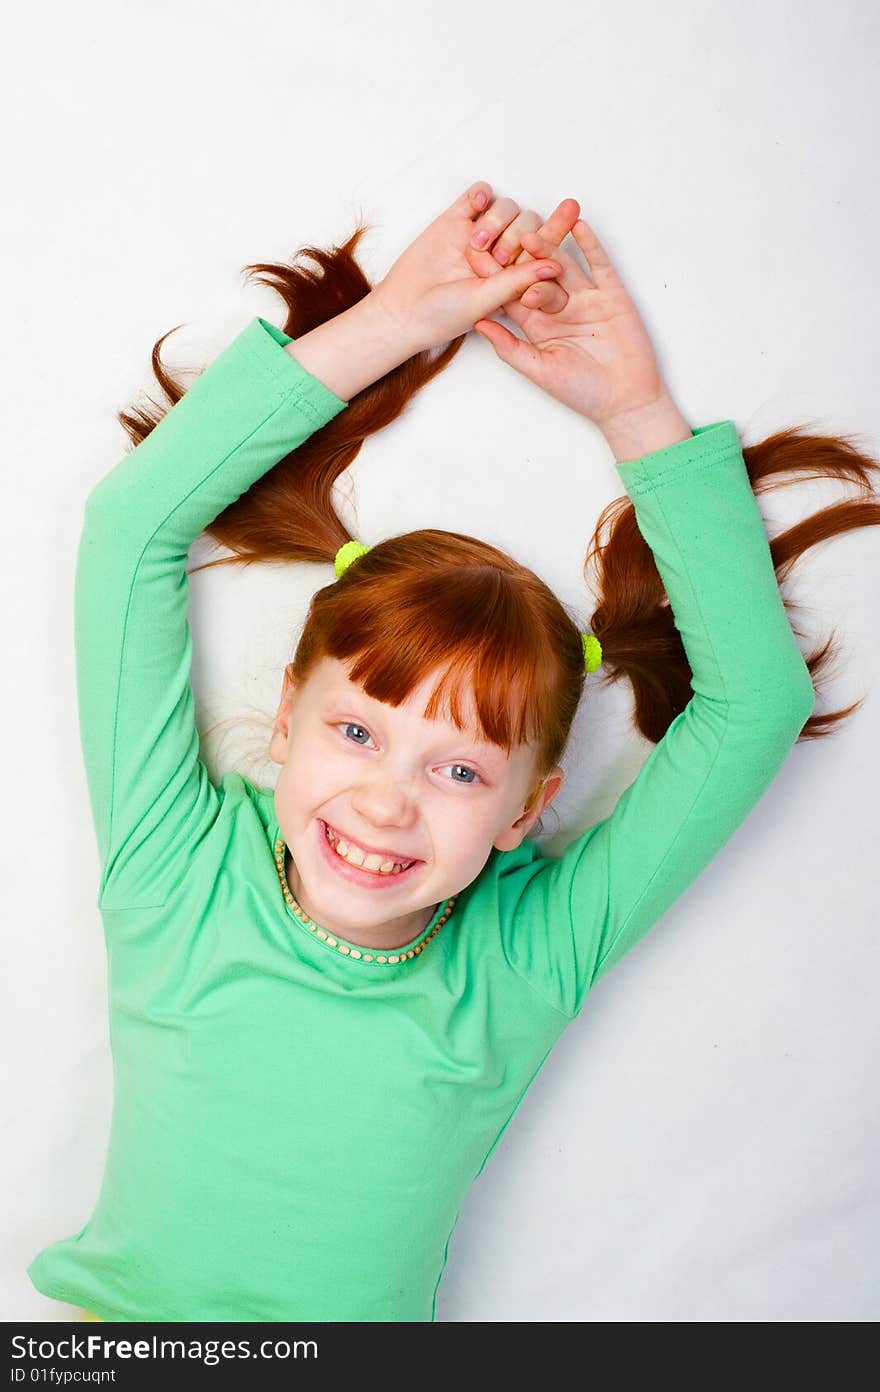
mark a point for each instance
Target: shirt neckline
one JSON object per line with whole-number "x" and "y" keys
{"x": 331, "y": 942}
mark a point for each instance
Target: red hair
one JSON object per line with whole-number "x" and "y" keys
{"x": 434, "y": 599}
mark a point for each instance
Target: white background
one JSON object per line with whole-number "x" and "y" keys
{"x": 701, "y": 1145}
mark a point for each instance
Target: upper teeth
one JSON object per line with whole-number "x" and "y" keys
{"x": 355, "y": 856}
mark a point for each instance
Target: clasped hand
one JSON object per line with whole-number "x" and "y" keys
{"x": 584, "y": 344}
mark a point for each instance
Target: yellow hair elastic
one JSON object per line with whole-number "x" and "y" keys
{"x": 592, "y": 651}
{"x": 349, "y": 552}
{"x": 346, "y": 554}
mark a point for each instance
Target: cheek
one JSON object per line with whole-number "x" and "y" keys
{"x": 467, "y": 838}
{"x": 312, "y": 772}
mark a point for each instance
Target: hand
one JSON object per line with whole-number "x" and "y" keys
{"x": 432, "y": 292}
{"x": 592, "y": 352}
{"x": 504, "y": 218}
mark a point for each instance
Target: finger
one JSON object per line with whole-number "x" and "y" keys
{"x": 468, "y": 204}
{"x": 502, "y": 212}
{"x": 558, "y": 225}
{"x": 573, "y": 277}
{"x": 600, "y": 269}
{"x": 517, "y": 352}
{"x": 482, "y": 197}
{"x": 511, "y": 283}
{"x": 549, "y": 298}
{"x": 600, "y": 266}
{"x": 547, "y": 295}
{"x": 508, "y": 247}
{"x": 561, "y": 221}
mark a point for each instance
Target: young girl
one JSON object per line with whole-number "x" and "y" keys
{"x": 329, "y": 999}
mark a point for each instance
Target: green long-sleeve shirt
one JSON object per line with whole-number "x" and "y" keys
{"x": 294, "y": 1129}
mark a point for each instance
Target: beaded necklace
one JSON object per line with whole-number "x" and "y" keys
{"x": 351, "y": 949}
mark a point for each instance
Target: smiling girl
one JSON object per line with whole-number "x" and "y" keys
{"x": 328, "y": 999}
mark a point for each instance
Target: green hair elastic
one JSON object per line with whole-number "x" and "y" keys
{"x": 592, "y": 651}
{"x": 349, "y": 552}
{"x": 346, "y": 554}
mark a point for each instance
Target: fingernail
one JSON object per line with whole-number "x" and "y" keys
{"x": 481, "y": 200}
{"x": 501, "y": 256}
{"x": 480, "y": 239}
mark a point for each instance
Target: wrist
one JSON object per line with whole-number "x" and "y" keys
{"x": 353, "y": 349}
{"x": 644, "y": 429}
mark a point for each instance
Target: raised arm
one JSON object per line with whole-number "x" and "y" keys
{"x": 564, "y": 922}
{"x": 152, "y": 800}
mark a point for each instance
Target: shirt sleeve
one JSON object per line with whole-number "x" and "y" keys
{"x": 152, "y": 800}
{"x": 565, "y": 921}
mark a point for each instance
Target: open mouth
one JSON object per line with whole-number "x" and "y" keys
{"x": 386, "y": 874}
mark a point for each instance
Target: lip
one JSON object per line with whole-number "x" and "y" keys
{"x": 370, "y": 850}
{"x": 366, "y": 878}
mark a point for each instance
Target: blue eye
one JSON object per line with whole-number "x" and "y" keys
{"x": 474, "y": 778}
{"x": 349, "y": 725}
{"x": 474, "y": 775}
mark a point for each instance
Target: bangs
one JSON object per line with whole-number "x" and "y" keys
{"x": 496, "y": 675}
{"x": 507, "y": 656}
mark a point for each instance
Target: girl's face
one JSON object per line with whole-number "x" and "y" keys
{"x": 388, "y": 781}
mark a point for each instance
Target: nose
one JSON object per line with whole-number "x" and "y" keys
{"x": 384, "y": 800}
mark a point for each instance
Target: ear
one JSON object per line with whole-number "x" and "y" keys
{"x": 516, "y": 833}
{"x": 281, "y": 728}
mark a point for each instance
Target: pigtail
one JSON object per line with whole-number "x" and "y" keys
{"x": 633, "y": 620}
{"x": 288, "y": 514}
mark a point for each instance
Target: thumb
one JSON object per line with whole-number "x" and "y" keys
{"x": 502, "y": 286}
{"x": 520, "y": 355}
